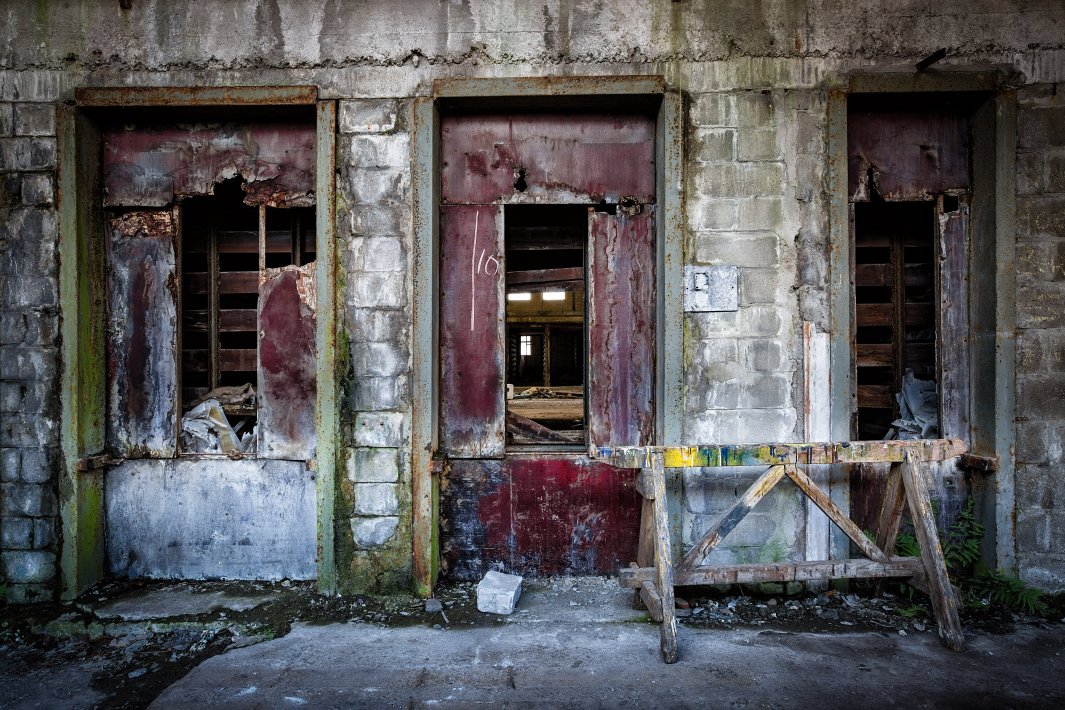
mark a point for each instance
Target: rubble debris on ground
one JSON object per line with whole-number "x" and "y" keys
{"x": 498, "y": 593}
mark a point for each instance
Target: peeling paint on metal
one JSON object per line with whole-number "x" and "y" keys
{"x": 153, "y": 166}
{"x": 142, "y": 327}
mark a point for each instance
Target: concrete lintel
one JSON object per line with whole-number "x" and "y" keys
{"x": 146, "y": 96}
{"x": 548, "y": 86}
{"x": 958, "y": 79}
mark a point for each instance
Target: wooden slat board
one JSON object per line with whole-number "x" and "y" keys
{"x": 287, "y": 365}
{"x": 142, "y": 321}
{"x": 472, "y": 332}
{"x": 621, "y": 328}
{"x": 565, "y": 157}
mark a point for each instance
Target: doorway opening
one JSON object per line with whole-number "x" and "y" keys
{"x": 546, "y": 326}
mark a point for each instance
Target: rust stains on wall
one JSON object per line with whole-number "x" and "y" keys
{"x": 539, "y": 515}
{"x": 142, "y": 324}
{"x": 153, "y": 166}
{"x": 547, "y": 158}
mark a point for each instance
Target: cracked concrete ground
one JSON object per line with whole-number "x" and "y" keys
{"x": 574, "y": 642}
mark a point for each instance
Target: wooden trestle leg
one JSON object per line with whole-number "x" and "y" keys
{"x": 663, "y": 561}
{"x": 944, "y": 601}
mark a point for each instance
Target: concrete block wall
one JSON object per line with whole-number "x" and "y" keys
{"x": 29, "y": 327}
{"x": 742, "y": 372}
{"x": 374, "y": 229}
{"x": 1040, "y": 483}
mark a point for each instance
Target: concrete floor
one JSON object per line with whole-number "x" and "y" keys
{"x": 588, "y": 648}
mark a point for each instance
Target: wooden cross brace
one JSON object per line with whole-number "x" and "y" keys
{"x": 654, "y": 577}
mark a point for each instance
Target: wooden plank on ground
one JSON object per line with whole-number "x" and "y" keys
{"x": 944, "y": 601}
{"x": 732, "y": 517}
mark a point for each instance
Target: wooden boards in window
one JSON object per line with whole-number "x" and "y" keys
{"x": 287, "y": 374}
{"x": 621, "y": 328}
{"x": 472, "y": 328}
{"x": 142, "y": 334}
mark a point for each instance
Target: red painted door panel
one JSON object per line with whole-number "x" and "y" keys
{"x": 621, "y": 328}
{"x": 472, "y": 312}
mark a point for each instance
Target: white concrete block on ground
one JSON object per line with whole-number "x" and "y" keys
{"x": 497, "y": 593}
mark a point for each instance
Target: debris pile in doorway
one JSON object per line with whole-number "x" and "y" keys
{"x": 205, "y": 429}
{"x": 918, "y": 410}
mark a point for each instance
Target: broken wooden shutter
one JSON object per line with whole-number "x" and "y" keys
{"x": 621, "y": 328}
{"x": 142, "y": 323}
{"x": 287, "y": 376}
{"x": 472, "y": 312}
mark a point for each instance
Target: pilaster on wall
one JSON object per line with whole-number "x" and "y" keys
{"x": 1040, "y": 486}
{"x": 29, "y": 339}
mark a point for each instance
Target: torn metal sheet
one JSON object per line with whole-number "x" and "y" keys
{"x": 547, "y": 158}
{"x": 538, "y": 516}
{"x": 152, "y": 167}
{"x": 142, "y": 334}
{"x": 287, "y": 368}
{"x": 472, "y": 343}
{"x": 906, "y": 156}
{"x": 621, "y": 328}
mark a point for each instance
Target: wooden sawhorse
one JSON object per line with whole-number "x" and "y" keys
{"x": 655, "y": 576}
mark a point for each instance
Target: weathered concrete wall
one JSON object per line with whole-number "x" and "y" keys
{"x": 1040, "y": 483}
{"x": 210, "y": 519}
{"x": 755, "y": 77}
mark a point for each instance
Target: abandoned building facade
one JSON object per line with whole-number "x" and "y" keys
{"x": 353, "y": 292}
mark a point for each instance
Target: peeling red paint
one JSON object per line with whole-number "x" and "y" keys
{"x": 562, "y": 157}
{"x": 538, "y": 516}
{"x": 287, "y": 374}
{"x": 151, "y": 167}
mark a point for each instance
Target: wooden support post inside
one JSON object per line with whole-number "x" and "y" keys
{"x": 944, "y": 602}
{"x": 664, "y": 561}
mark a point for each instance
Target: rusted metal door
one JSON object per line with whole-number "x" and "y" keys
{"x": 142, "y": 330}
{"x": 621, "y": 328}
{"x": 472, "y": 336}
{"x": 547, "y": 512}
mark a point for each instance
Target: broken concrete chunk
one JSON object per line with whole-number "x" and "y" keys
{"x": 433, "y": 606}
{"x": 497, "y": 593}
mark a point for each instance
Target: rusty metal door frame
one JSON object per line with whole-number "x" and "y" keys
{"x": 992, "y": 301}
{"x": 533, "y": 92}
{"x": 83, "y": 339}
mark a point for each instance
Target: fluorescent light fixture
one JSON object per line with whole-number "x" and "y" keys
{"x": 519, "y": 296}
{"x": 553, "y": 295}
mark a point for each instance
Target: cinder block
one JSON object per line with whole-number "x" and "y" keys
{"x": 1029, "y": 173}
{"x": 758, "y": 144}
{"x": 12, "y": 328}
{"x": 740, "y": 179}
{"x": 379, "y": 359}
{"x": 387, "y": 151}
{"x": 7, "y": 120}
{"x": 34, "y": 119}
{"x": 758, "y": 286}
{"x": 28, "y": 500}
{"x": 378, "y": 220}
{"x": 761, "y": 321}
{"x": 714, "y": 145}
{"x": 41, "y": 328}
{"x": 376, "y": 499}
{"x": 43, "y": 533}
{"x": 33, "y": 567}
{"x": 16, "y": 533}
{"x": 25, "y": 154}
{"x": 752, "y": 249}
{"x": 369, "y": 533}
{"x": 498, "y": 593}
{"x": 378, "y": 185}
{"x": 1054, "y": 172}
{"x": 28, "y": 593}
{"x": 1040, "y": 128}
{"x": 10, "y": 462}
{"x": 761, "y": 214}
{"x": 377, "y": 290}
{"x": 765, "y": 392}
{"x": 1041, "y": 217}
{"x": 376, "y": 394}
{"x": 764, "y": 355}
{"x": 11, "y": 397}
{"x": 379, "y": 429}
{"x": 36, "y": 466}
{"x": 705, "y": 213}
{"x": 722, "y": 394}
{"x": 373, "y": 466}
{"x": 376, "y": 325}
{"x": 713, "y": 110}
{"x": 367, "y": 116}
{"x": 1041, "y": 305}
{"x": 383, "y": 254}
{"x": 37, "y": 189}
